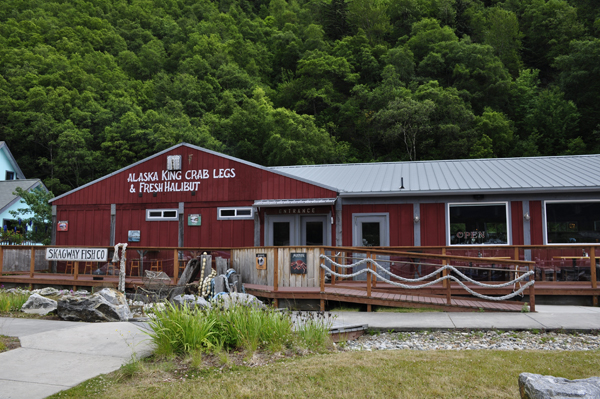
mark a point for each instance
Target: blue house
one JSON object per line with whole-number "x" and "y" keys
{"x": 12, "y": 177}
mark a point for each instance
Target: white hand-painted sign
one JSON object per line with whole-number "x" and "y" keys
{"x": 168, "y": 181}
{"x": 77, "y": 254}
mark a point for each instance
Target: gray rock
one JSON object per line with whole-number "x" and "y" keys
{"x": 113, "y": 296}
{"x": 92, "y": 309}
{"x": 232, "y": 299}
{"x": 48, "y": 291}
{"x": 37, "y": 304}
{"x": 536, "y": 386}
{"x": 190, "y": 300}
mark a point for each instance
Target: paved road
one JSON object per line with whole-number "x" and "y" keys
{"x": 57, "y": 355}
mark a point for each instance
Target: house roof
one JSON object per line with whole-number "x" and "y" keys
{"x": 577, "y": 173}
{"x": 7, "y": 187}
{"x": 18, "y": 171}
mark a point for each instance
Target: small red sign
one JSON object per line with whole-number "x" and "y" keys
{"x": 63, "y": 225}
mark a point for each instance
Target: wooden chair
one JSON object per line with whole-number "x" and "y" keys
{"x": 156, "y": 265}
{"x": 182, "y": 265}
{"x": 88, "y": 266}
{"x": 135, "y": 264}
{"x": 69, "y": 266}
{"x": 108, "y": 269}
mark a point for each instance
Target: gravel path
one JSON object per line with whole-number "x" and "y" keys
{"x": 474, "y": 340}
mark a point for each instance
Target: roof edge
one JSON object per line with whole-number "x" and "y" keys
{"x": 20, "y": 173}
{"x": 17, "y": 198}
{"x": 432, "y": 193}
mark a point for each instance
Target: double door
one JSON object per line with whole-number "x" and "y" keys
{"x": 286, "y": 230}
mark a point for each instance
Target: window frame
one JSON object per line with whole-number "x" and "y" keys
{"x": 508, "y": 221}
{"x": 236, "y": 216}
{"x": 12, "y": 175}
{"x": 162, "y": 218}
{"x": 545, "y": 226}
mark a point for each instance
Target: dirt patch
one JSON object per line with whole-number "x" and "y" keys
{"x": 22, "y": 315}
{"x": 8, "y": 343}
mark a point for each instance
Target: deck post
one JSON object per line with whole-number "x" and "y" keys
{"x": 369, "y": 282}
{"x": 531, "y": 295}
{"x": 76, "y": 271}
{"x": 175, "y": 266}
{"x": 593, "y": 275}
{"x": 374, "y": 268}
{"x": 276, "y": 271}
{"x": 1, "y": 259}
{"x": 32, "y": 263}
{"x": 513, "y": 275}
{"x": 321, "y": 270}
{"x": 334, "y": 267}
{"x": 445, "y": 272}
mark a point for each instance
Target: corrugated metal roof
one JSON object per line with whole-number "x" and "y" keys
{"x": 295, "y": 202}
{"x": 493, "y": 175}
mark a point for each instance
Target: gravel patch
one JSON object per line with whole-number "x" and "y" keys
{"x": 474, "y": 340}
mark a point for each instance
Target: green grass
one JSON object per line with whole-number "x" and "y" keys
{"x": 380, "y": 374}
{"x": 12, "y": 302}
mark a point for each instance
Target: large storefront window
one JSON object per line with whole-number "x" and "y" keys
{"x": 478, "y": 224}
{"x": 573, "y": 222}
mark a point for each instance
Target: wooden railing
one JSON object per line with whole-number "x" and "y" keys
{"x": 446, "y": 262}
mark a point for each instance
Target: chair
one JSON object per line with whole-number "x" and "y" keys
{"x": 135, "y": 264}
{"x": 88, "y": 265}
{"x": 182, "y": 265}
{"x": 108, "y": 269}
{"x": 156, "y": 266}
{"x": 69, "y": 266}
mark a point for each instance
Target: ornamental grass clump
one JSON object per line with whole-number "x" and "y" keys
{"x": 11, "y": 302}
{"x": 182, "y": 330}
{"x": 313, "y": 330}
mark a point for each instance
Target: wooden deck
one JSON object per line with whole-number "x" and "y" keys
{"x": 353, "y": 295}
{"x": 67, "y": 280}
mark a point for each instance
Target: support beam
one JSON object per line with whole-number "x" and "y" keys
{"x": 113, "y": 223}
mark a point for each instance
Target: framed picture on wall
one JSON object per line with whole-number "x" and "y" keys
{"x": 298, "y": 263}
{"x": 133, "y": 236}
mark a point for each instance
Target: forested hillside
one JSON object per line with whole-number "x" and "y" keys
{"x": 90, "y": 86}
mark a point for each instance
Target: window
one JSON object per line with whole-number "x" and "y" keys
{"x": 235, "y": 213}
{"x": 10, "y": 175}
{"x": 162, "y": 214}
{"x": 472, "y": 224}
{"x": 572, "y": 222}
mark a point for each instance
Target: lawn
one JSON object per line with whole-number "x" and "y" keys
{"x": 381, "y": 374}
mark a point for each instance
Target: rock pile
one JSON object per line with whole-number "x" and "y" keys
{"x": 106, "y": 305}
{"x": 474, "y": 340}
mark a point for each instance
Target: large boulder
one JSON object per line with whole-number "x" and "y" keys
{"x": 536, "y": 386}
{"x": 37, "y": 304}
{"x": 233, "y": 298}
{"x": 106, "y": 305}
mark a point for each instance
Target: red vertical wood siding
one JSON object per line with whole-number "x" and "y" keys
{"x": 516, "y": 211}
{"x": 536, "y": 223}
{"x": 433, "y": 224}
{"x": 400, "y": 219}
{"x": 87, "y": 226}
{"x": 217, "y": 233}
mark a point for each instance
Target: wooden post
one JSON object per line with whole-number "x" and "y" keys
{"x": 1, "y": 259}
{"x": 374, "y": 268}
{"x": 531, "y": 295}
{"x": 513, "y": 275}
{"x": 445, "y": 272}
{"x": 321, "y": 270}
{"x": 175, "y": 266}
{"x": 76, "y": 271}
{"x": 276, "y": 270}
{"x": 334, "y": 268}
{"x": 593, "y": 276}
{"x": 368, "y": 276}
{"x": 32, "y": 263}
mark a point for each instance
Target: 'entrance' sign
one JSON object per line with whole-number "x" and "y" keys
{"x": 77, "y": 254}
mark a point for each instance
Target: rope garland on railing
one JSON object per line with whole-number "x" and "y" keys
{"x": 447, "y": 277}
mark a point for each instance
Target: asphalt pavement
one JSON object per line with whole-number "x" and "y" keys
{"x": 58, "y": 355}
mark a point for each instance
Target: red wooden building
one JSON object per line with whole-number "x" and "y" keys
{"x": 189, "y": 196}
